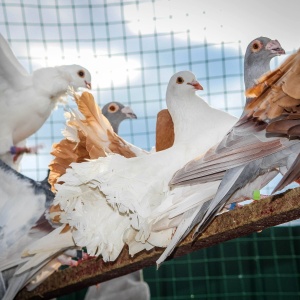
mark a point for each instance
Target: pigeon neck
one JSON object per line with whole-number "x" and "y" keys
{"x": 114, "y": 126}
{"x": 52, "y": 81}
{"x": 252, "y": 71}
{"x": 187, "y": 112}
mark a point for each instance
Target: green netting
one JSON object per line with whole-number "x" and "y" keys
{"x": 132, "y": 48}
{"x": 260, "y": 266}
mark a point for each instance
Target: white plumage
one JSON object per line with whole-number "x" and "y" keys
{"x": 122, "y": 193}
{"x": 27, "y": 100}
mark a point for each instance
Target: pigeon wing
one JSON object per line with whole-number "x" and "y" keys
{"x": 275, "y": 110}
{"x": 13, "y": 75}
{"x": 164, "y": 131}
{"x": 88, "y": 135}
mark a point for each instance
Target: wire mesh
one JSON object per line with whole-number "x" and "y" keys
{"x": 132, "y": 48}
{"x": 260, "y": 266}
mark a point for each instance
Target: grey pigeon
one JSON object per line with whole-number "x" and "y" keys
{"x": 263, "y": 142}
{"x": 257, "y": 58}
{"x": 27, "y": 100}
{"x": 116, "y": 112}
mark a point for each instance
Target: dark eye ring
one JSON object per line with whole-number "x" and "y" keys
{"x": 80, "y": 73}
{"x": 179, "y": 80}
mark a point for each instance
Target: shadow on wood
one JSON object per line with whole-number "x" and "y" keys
{"x": 250, "y": 218}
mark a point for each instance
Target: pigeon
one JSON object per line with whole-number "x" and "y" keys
{"x": 21, "y": 206}
{"x": 91, "y": 111}
{"x": 131, "y": 284}
{"x": 116, "y": 112}
{"x": 22, "y": 211}
{"x": 27, "y": 100}
{"x": 88, "y": 134}
{"x": 119, "y": 192}
{"x": 263, "y": 142}
{"x": 258, "y": 54}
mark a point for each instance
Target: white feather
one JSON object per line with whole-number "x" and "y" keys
{"x": 126, "y": 192}
{"x": 27, "y": 100}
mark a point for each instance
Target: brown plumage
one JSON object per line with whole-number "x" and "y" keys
{"x": 273, "y": 112}
{"x": 278, "y": 102}
{"x": 164, "y": 131}
{"x": 278, "y": 97}
{"x": 95, "y": 138}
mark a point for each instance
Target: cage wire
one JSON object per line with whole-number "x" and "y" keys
{"x": 132, "y": 48}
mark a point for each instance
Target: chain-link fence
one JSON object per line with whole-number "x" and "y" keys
{"x": 132, "y": 48}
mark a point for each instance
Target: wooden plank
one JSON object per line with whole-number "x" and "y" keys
{"x": 250, "y": 218}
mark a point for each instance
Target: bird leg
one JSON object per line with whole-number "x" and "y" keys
{"x": 17, "y": 151}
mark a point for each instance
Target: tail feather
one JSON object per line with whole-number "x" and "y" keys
{"x": 46, "y": 247}
{"x": 18, "y": 281}
{"x": 2, "y": 286}
{"x": 291, "y": 175}
{"x": 190, "y": 219}
{"x": 191, "y": 211}
{"x": 88, "y": 135}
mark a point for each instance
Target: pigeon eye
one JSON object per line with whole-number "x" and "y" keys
{"x": 80, "y": 73}
{"x": 113, "y": 108}
{"x": 256, "y": 46}
{"x": 179, "y": 80}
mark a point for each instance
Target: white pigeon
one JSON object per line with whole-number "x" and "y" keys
{"x": 27, "y": 100}
{"x": 88, "y": 135}
{"x": 257, "y": 59}
{"x": 121, "y": 193}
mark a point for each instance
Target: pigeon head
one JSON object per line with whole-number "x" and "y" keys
{"x": 258, "y": 55}
{"x": 183, "y": 83}
{"x": 79, "y": 76}
{"x": 116, "y": 112}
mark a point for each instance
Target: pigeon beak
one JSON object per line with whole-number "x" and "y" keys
{"x": 196, "y": 85}
{"x": 128, "y": 112}
{"x": 275, "y": 47}
{"x": 88, "y": 85}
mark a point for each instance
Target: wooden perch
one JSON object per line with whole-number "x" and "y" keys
{"x": 250, "y": 218}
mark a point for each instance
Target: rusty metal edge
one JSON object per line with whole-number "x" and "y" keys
{"x": 250, "y": 218}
